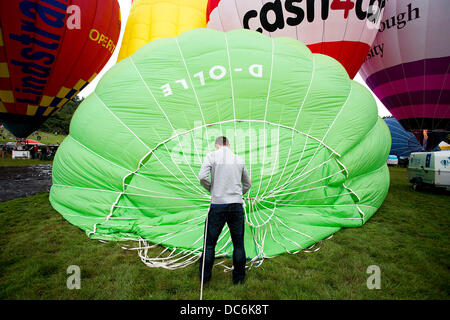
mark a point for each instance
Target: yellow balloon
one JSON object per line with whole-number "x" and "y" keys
{"x": 150, "y": 20}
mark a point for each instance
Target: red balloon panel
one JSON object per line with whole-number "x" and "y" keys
{"x": 49, "y": 51}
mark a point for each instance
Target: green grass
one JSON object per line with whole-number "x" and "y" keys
{"x": 407, "y": 238}
{"x": 8, "y": 162}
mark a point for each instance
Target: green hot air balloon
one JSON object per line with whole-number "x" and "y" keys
{"x": 311, "y": 139}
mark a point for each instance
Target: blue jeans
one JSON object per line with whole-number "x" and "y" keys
{"x": 233, "y": 215}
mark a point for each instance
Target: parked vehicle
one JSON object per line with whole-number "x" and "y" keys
{"x": 392, "y": 160}
{"x": 429, "y": 168}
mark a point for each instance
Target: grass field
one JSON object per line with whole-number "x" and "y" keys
{"x": 8, "y": 162}
{"x": 408, "y": 239}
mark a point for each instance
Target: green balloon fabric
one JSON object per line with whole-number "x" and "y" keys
{"x": 311, "y": 139}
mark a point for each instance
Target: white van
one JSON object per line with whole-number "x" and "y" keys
{"x": 429, "y": 168}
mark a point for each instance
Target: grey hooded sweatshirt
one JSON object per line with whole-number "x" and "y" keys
{"x": 229, "y": 177}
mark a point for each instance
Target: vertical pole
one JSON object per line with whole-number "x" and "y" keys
{"x": 203, "y": 262}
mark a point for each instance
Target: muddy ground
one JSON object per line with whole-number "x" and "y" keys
{"x": 18, "y": 182}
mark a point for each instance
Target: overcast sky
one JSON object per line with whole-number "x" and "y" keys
{"x": 125, "y": 6}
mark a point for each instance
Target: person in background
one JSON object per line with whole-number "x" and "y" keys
{"x": 32, "y": 153}
{"x": 44, "y": 153}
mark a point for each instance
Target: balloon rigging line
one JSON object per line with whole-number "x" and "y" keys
{"x": 314, "y": 205}
{"x": 262, "y": 236}
{"x": 353, "y": 192}
{"x": 265, "y": 115}
{"x": 324, "y": 137}
{"x": 199, "y": 191}
{"x": 184, "y": 156}
{"x": 84, "y": 188}
{"x": 196, "y": 190}
{"x": 83, "y": 217}
{"x": 220, "y": 120}
{"x": 297, "y": 118}
{"x": 165, "y": 115}
{"x": 271, "y": 232}
{"x": 307, "y": 184}
{"x": 98, "y": 155}
{"x": 301, "y": 174}
{"x": 195, "y": 142}
{"x": 177, "y": 207}
{"x": 299, "y": 191}
{"x": 178, "y": 167}
{"x": 317, "y": 198}
{"x": 273, "y": 169}
{"x": 232, "y": 86}
{"x": 250, "y": 153}
{"x": 160, "y": 108}
{"x": 149, "y": 196}
{"x": 365, "y": 174}
{"x": 285, "y": 164}
{"x": 276, "y": 224}
{"x": 176, "y": 233}
{"x": 256, "y": 237}
{"x": 314, "y": 214}
{"x": 252, "y": 212}
{"x": 283, "y": 187}
{"x": 192, "y": 228}
{"x": 292, "y": 229}
{"x": 151, "y": 191}
{"x": 269, "y": 217}
{"x": 283, "y": 236}
{"x": 120, "y": 121}
{"x": 90, "y": 150}
{"x": 252, "y": 231}
{"x": 249, "y": 120}
{"x": 192, "y": 84}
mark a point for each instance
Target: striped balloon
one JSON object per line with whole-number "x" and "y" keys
{"x": 408, "y": 65}
{"x": 403, "y": 142}
{"x": 342, "y": 29}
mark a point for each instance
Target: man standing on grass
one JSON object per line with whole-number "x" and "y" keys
{"x": 229, "y": 182}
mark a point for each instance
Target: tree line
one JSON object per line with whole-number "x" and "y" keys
{"x": 60, "y": 122}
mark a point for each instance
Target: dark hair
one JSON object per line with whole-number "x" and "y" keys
{"x": 222, "y": 141}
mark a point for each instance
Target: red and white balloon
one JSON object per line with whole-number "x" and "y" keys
{"x": 342, "y": 29}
